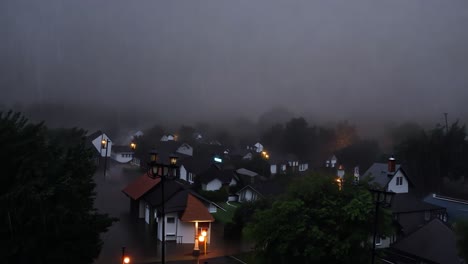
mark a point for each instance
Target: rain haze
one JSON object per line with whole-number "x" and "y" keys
{"x": 196, "y": 60}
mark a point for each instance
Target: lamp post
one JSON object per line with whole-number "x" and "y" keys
{"x": 202, "y": 238}
{"x": 163, "y": 171}
{"x": 384, "y": 199}
{"x": 105, "y": 145}
{"x": 125, "y": 259}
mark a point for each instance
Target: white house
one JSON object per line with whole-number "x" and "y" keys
{"x": 259, "y": 190}
{"x": 168, "y": 137}
{"x": 389, "y": 176}
{"x": 214, "y": 178}
{"x": 102, "y": 143}
{"x": 186, "y": 213}
{"x": 331, "y": 162}
{"x": 122, "y": 154}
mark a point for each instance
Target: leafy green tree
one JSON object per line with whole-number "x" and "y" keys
{"x": 47, "y": 195}
{"x": 318, "y": 223}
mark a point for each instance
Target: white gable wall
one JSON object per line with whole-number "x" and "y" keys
{"x": 97, "y": 144}
{"x": 213, "y": 185}
{"x": 247, "y": 195}
{"x": 233, "y": 182}
{"x": 122, "y": 157}
{"x": 185, "y": 149}
{"x": 393, "y": 187}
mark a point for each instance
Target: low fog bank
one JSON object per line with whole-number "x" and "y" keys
{"x": 121, "y": 119}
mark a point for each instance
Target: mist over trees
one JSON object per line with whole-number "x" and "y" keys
{"x": 430, "y": 156}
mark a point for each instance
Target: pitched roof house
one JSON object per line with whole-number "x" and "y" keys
{"x": 259, "y": 190}
{"x": 215, "y": 177}
{"x": 389, "y": 176}
{"x": 185, "y": 210}
{"x": 435, "y": 242}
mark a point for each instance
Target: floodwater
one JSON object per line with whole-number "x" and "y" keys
{"x": 134, "y": 234}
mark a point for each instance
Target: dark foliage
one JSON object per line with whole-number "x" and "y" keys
{"x": 47, "y": 195}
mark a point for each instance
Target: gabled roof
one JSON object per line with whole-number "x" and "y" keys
{"x": 246, "y": 172}
{"x": 435, "y": 242}
{"x": 196, "y": 164}
{"x": 94, "y": 135}
{"x": 408, "y": 202}
{"x": 267, "y": 188}
{"x": 195, "y": 210}
{"x": 153, "y": 197}
{"x": 379, "y": 171}
{"x": 140, "y": 186}
{"x": 456, "y": 209}
{"x": 122, "y": 149}
{"x": 216, "y": 172}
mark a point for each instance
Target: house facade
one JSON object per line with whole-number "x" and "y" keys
{"x": 96, "y": 139}
{"x": 122, "y": 154}
{"x": 185, "y": 211}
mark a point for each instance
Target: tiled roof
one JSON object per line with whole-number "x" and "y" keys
{"x": 196, "y": 164}
{"x": 195, "y": 211}
{"x": 267, "y": 188}
{"x": 215, "y": 172}
{"x": 407, "y": 202}
{"x": 120, "y": 149}
{"x": 247, "y": 172}
{"x": 140, "y": 186}
{"x": 379, "y": 171}
{"x": 433, "y": 242}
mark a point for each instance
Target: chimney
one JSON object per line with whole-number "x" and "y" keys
{"x": 391, "y": 166}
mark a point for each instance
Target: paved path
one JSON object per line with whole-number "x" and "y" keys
{"x": 134, "y": 234}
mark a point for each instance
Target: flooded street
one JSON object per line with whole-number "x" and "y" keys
{"x": 134, "y": 234}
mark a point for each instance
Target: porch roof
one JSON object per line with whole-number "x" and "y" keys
{"x": 140, "y": 186}
{"x": 195, "y": 211}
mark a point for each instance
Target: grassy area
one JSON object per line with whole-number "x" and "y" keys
{"x": 225, "y": 216}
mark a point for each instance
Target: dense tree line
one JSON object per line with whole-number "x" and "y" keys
{"x": 47, "y": 195}
{"x": 316, "y": 143}
{"x": 429, "y": 156}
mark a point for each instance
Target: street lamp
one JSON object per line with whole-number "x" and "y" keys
{"x": 163, "y": 171}
{"x": 133, "y": 145}
{"x": 202, "y": 238}
{"x": 384, "y": 199}
{"x": 125, "y": 259}
{"x": 105, "y": 145}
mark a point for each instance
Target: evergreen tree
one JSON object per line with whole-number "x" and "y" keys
{"x": 47, "y": 195}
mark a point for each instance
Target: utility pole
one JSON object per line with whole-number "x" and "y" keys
{"x": 446, "y": 122}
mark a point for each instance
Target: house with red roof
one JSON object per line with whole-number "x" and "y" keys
{"x": 186, "y": 212}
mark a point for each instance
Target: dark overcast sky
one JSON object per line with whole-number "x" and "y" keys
{"x": 343, "y": 59}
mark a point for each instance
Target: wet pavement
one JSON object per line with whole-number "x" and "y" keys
{"x": 135, "y": 235}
